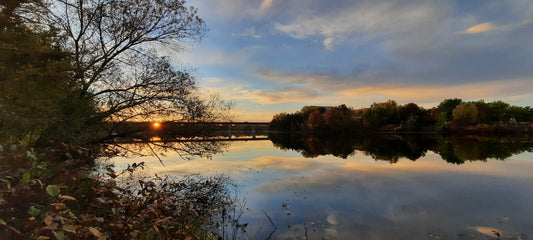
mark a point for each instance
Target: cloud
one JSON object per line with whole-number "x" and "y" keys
{"x": 482, "y": 27}
{"x": 252, "y": 115}
{"x": 234, "y": 168}
{"x": 367, "y": 20}
{"x": 328, "y": 43}
{"x": 320, "y": 80}
{"x": 241, "y": 10}
{"x": 287, "y": 164}
{"x": 489, "y": 26}
{"x": 283, "y": 95}
{"x": 333, "y": 89}
{"x": 249, "y": 32}
{"x": 265, "y": 5}
{"x": 234, "y": 92}
{"x": 215, "y": 56}
{"x": 436, "y": 93}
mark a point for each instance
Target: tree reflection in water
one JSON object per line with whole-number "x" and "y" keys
{"x": 392, "y": 147}
{"x": 156, "y": 146}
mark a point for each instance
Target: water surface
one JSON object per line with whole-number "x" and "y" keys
{"x": 313, "y": 189}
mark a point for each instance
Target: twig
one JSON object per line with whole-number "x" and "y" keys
{"x": 271, "y": 222}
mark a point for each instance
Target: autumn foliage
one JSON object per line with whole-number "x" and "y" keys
{"x": 389, "y": 116}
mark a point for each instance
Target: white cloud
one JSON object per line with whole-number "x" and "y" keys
{"x": 249, "y": 32}
{"x": 328, "y": 43}
{"x": 371, "y": 19}
{"x": 222, "y": 10}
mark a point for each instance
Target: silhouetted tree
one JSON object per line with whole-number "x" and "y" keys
{"x": 114, "y": 62}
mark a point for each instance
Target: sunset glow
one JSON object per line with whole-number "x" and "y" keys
{"x": 156, "y": 125}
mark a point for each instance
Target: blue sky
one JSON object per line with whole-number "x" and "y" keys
{"x": 271, "y": 56}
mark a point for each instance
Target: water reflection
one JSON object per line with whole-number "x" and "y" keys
{"x": 392, "y": 147}
{"x": 186, "y": 148}
{"x": 315, "y": 188}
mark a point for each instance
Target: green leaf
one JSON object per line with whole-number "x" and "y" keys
{"x": 69, "y": 228}
{"x": 31, "y": 156}
{"x": 60, "y": 235}
{"x": 26, "y": 177}
{"x": 34, "y": 212}
{"x": 53, "y": 190}
{"x": 2, "y": 223}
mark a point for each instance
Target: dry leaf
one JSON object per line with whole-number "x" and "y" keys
{"x": 68, "y": 198}
{"x": 48, "y": 220}
{"x": 95, "y": 232}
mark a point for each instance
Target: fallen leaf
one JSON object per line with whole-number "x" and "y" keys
{"x": 68, "y": 198}
{"x": 95, "y": 232}
{"x": 69, "y": 228}
{"x": 48, "y": 220}
{"x": 52, "y": 227}
{"x": 58, "y": 206}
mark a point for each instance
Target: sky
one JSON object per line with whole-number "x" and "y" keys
{"x": 272, "y": 56}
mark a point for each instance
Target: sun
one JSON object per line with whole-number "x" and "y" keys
{"x": 156, "y": 125}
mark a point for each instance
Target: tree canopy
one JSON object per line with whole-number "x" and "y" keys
{"x": 81, "y": 63}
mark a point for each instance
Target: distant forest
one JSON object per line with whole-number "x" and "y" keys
{"x": 449, "y": 116}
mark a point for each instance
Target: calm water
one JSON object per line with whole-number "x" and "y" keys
{"x": 390, "y": 188}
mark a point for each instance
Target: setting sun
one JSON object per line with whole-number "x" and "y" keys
{"x": 156, "y": 124}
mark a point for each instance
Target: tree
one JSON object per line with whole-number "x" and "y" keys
{"x": 316, "y": 120}
{"x": 307, "y": 110}
{"x": 35, "y": 75}
{"x": 497, "y": 111}
{"x": 380, "y": 114}
{"x": 339, "y": 118}
{"x": 465, "y": 113}
{"x": 113, "y": 45}
{"x": 114, "y": 48}
{"x": 447, "y": 106}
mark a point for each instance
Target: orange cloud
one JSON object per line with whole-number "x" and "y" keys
{"x": 482, "y": 27}
{"x": 495, "y": 89}
{"x": 266, "y": 4}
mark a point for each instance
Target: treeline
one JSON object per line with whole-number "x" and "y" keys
{"x": 449, "y": 115}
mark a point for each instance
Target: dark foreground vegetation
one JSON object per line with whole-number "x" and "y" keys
{"x": 58, "y": 195}
{"x": 451, "y": 115}
{"x": 72, "y": 75}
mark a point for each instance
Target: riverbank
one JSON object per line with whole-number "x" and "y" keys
{"x": 66, "y": 192}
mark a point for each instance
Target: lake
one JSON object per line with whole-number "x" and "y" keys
{"x": 372, "y": 187}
